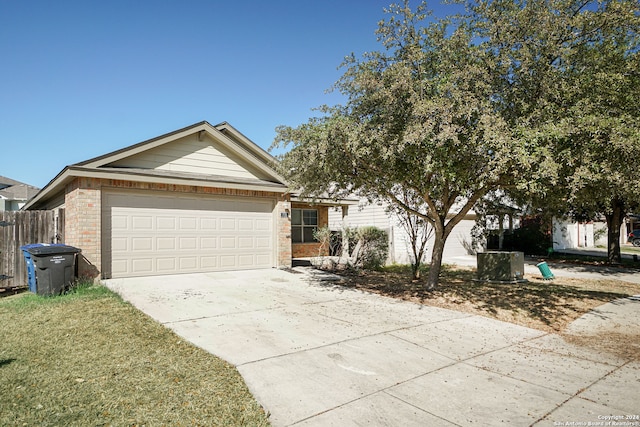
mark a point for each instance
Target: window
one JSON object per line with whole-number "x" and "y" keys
{"x": 304, "y": 222}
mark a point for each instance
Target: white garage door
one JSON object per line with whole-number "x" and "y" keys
{"x": 152, "y": 234}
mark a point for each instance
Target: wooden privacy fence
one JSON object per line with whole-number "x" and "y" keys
{"x": 22, "y": 228}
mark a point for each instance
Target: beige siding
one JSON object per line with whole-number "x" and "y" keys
{"x": 192, "y": 155}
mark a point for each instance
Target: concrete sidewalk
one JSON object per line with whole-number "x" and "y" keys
{"x": 317, "y": 354}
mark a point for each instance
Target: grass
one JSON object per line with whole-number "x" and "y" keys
{"x": 88, "y": 358}
{"x": 625, "y": 249}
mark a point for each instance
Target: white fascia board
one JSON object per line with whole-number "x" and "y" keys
{"x": 72, "y": 172}
{"x": 248, "y": 152}
{"x": 140, "y": 147}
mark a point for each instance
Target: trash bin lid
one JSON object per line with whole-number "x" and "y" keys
{"x": 30, "y": 246}
{"x": 56, "y": 249}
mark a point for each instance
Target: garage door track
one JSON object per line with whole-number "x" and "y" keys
{"x": 317, "y": 354}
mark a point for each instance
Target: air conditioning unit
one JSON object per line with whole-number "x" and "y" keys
{"x": 495, "y": 266}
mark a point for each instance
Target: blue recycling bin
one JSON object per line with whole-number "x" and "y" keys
{"x": 31, "y": 272}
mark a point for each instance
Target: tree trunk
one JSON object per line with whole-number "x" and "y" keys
{"x": 436, "y": 260}
{"x": 614, "y": 222}
{"x": 415, "y": 271}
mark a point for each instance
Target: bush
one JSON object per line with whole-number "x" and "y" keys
{"x": 532, "y": 238}
{"x": 374, "y": 247}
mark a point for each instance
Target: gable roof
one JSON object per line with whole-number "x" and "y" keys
{"x": 15, "y": 190}
{"x": 129, "y": 163}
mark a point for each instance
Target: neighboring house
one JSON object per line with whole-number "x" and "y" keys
{"x": 372, "y": 214}
{"x": 14, "y": 194}
{"x": 199, "y": 199}
{"x": 631, "y": 223}
{"x": 569, "y": 234}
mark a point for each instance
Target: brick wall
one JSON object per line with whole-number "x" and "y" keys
{"x": 283, "y": 211}
{"x": 82, "y": 223}
{"x": 83, "y": 216}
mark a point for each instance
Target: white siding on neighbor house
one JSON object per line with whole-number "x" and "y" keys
{"x": 573, "y": 235}
{"x": 399, "y": 242}
{"x": 190, "y": 154}
{"x": 568, "y": 235}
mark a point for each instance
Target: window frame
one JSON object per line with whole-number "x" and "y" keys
{"x": 302, "y": 226}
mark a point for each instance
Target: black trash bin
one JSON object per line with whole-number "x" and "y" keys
{"x": 55, "y": 267}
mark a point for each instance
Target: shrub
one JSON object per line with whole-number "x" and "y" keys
{"x": 374, "y": 247}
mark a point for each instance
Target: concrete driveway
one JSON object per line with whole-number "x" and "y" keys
{"x": 316, "y": 354}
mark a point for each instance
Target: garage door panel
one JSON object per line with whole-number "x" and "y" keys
{"x": 165, "y": 223}
{"x": 262, "y": 259}
{"x": 142, "y": 265}
{"x": 120, "y": 244}
{"x": 263, "y": 225}
{"x": 166, "y": 265}
{"x": 188, "y": 223}
{"x": 208, "y": 243}
{"x": 245, "y": 225}
{"x": 227, "y": 242}
{"x": 209, "y": 262}
{"x": 208, "y": 224}
{"x": 142, "y": 223}
{"x": 142, "y": 244}
{"x": 119, "y": 222}
{"x": 119, "y": 265}
{"x": 188, "y": 263}
{"x": 228, "y": 261}
{"x": 186, "y": 243}
{"x": 245, "y": 242}
{"x": 166, "y": 243}
{"x": 155, "y": 235}
{"x": 263, "y": 243}
{"x": 246, "y": 260}
{"x": 227, "y": 224}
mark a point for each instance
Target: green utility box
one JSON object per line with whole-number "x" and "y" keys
{"x": 496, "y": 266}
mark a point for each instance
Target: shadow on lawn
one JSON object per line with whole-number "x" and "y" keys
{"x": 550, "y": 304}
{"x": 4, "y": 362}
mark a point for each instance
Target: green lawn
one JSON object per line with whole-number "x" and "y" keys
{"x": 90, "y": 359}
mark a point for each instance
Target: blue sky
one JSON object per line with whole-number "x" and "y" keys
{"x": 82, "y": 78}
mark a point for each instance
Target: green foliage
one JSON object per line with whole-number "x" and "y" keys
{"x": 77, "y": 290}
{"x": 325, "y": 237}
{"x": 532, "y": 238}
{"x": 374, "y": 247}
{"x": 535, "y": 97}
{"x": 571, "y": 87}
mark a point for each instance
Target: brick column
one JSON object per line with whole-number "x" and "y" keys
{"x": 283, "y": 229}
{"x": 82, "y": 224}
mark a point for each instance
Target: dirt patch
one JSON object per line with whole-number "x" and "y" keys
{"x": 622, "y": 345}
{"x": 548, "y": 306}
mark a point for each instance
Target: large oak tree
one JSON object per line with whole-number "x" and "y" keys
{"x": 447, "y": 111}
{"x": 570, "y": 82}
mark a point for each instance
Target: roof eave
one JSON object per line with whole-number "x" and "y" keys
{"x": 71, "y": 172}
